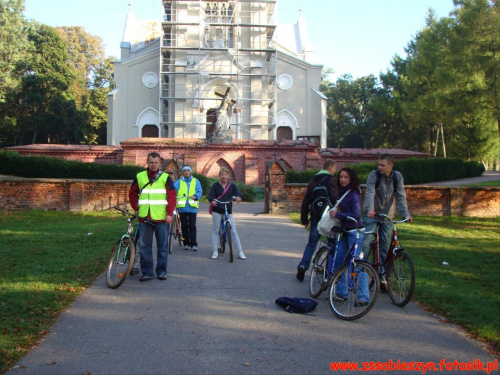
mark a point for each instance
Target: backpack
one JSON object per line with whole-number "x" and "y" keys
{"x": 297, "y": 305}
{"x": 394, "y": 180}
{"x": 320, "y": 198}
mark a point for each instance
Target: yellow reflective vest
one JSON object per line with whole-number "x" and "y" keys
{"x": 182, "y": 194}
{"x": 153, "y": 198}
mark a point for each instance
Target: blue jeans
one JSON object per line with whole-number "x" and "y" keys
{"x": 385, "y": 235}
{"x": 314, "y": 237}
{"x": 146, "y": 243}
{"x": 346, "y": 241}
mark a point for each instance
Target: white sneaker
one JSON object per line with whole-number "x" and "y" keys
{"x": 194, "y": 248}
{"x": 186, "y": 247}
{"x": 215, "y": 255}
{"x": 242, "y": 256}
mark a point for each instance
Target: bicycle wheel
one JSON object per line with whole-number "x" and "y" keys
{"x": 171, "y": 233}
{"x": 120, "y": 263}
{"x": 349, "y": 289}
{"x": 319, "y": 269}
{"x": 401, "y": 278}
{"x": 229, "y": 241}
{"x": 178, "y": 232}
{"x": 222, "y": 240}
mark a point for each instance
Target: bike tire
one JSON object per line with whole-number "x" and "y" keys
{"x": 222, "y": 241}
{"x": 401, "y": 278}
{"x": 120, "y": 263}
{"x": 178, "y": 231}
{"x": 348, "y": 309}
{"x": 229, "y": 242}
{"x": 171, "y": 233}
{"x": 318, "y": 278}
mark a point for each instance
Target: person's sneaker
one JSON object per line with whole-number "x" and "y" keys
{"x": 162, "y": 276}
{"x": 134, "y": 271}
{"x": 339, "y": 299}
{"x": 146, "y": 278}
{"x": 194, "y": 248}
{"x": 361, "y": 303}
{"x": 242, "y": 256}
{"x": 186, "y": 247}
{"x": 215, "y": 255}
{"x": 301, "y": 270}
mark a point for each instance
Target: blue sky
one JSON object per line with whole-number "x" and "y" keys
{"x": 359, "y": 37}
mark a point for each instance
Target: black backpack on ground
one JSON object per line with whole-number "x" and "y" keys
{"x": 297, "y": 305}
{"x": 320, "y": 198}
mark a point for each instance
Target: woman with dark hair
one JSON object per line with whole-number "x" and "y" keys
{"x": 349, "y": 206}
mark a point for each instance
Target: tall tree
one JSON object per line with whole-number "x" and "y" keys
{"x": 40, "y": 104}
{"x": 14, "y": 44}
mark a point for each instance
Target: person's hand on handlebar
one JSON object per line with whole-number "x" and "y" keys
{"x": 238, "y": 199}
{"x": 370, "y": 214}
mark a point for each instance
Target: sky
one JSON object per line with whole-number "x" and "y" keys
{"x": 357, "y": 37}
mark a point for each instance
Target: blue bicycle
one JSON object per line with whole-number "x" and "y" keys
{"x": 355, "y": 278}
{"x": 225, "y": 232}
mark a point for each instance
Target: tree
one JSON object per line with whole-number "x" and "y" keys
{"x": 94, "y": 79}
{"x": 42, "y": 105}
{"x": 14, "y": 44}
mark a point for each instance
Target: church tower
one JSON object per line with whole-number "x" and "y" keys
{"x": 212, "y": 49}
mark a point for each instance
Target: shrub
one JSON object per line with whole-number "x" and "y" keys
{"x": 414, "y": 170}
{"x": 11, "y": 163}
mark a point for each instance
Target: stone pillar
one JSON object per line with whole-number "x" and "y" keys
{"x": 276, "y": 198}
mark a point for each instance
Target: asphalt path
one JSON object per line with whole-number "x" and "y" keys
{"x": 216, "y": 317}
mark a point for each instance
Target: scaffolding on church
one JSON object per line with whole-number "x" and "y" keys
{"x": 216, "y": 49}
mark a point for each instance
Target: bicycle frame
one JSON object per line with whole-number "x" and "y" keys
{"x": 393, "y": 246}
{"x": 224, "y": 220}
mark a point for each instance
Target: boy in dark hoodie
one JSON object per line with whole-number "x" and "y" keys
{"x": 323, "y": 177}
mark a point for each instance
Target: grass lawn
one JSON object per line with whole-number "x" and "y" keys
{"x": 467, "y": 291}
{"x": 49, "y": 258}
{"x": 486, "y": 184}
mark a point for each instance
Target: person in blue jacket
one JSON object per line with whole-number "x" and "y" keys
{"x": 349, "y": 206}
{"x": 189, "y": 193}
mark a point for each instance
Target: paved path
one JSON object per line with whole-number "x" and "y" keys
{"x": 485, "y": 177}
{"x": 214, "y": 317}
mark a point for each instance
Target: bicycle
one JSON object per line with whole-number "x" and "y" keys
{"x": 225, "y": 232}
{"x": 175, "y": 232}
{"x": 350, "y": 276}
{"x": 119, "y": 264}
{"x": 398, "y": 267}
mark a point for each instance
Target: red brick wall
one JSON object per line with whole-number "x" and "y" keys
{"x": 422, "y": 200}
{"x": 245, "y": 159}
{"x": 52, "y": 194}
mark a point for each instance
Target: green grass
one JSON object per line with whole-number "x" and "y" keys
{"x": 48, "y": 259}
{"x": 485, "y": 184}
{"x": 467, "y": 291}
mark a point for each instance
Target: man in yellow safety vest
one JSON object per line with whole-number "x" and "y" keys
{"x": 152, "y": 196}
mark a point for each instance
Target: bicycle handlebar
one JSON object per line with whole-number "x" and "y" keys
{"x": 221, "y": 202}
{"x": 125, "y": 212}
{"x": 384, "y": 217}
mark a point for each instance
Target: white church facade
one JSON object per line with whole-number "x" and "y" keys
{"x": 174, "y": 72}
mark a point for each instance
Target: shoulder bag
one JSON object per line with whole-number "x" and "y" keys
{"x": 326, "y": 223}
{"x": 219, "y": 197}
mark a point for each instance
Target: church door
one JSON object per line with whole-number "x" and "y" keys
{"x": 211, "y": 118}
{"x": 150, "y": 131}
{"x": 284, "y": 133}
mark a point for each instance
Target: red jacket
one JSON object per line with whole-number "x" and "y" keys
{"x": 133, "y": 194}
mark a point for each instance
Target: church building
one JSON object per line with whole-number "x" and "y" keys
{"x": 175, "y": 73}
